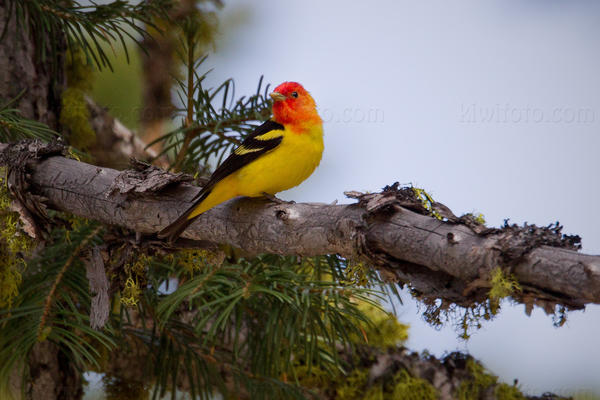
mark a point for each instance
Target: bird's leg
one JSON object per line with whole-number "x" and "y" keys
{"x": 276, "y": 199}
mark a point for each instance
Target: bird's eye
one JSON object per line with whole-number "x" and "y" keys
{"x": 295, "y": 94}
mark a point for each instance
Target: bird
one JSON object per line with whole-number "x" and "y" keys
{"x": 278, "y": 155}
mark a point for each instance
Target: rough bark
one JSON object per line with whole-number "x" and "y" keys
{"x": 449, "y": 259}
{"x": 37, "y": 88}
{"x": 52, "y": 375}
{"x": 23, "y": 75}
{"x": 158, "y": 66}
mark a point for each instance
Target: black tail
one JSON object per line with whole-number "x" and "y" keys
{"x": 172, "y": 231}
{"x": 176, "y": 228}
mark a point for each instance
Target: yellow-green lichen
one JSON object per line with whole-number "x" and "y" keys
{"x": 357, "y": 272}
{"x": 502, "y": 285}
{"x": 130, "y": 295}
{"x": 479, "y": 218}
{"x": 407, "y": 387}
{"x": 139, "y": 266}
{"x": 136, "y": 274}
{"x": 195, "y": 260}
{"x": 427, "y": 201}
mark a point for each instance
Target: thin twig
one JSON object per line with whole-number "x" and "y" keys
{"x": 189, "y": 135}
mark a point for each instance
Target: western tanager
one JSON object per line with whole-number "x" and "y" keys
{"x": 278, "y": 155}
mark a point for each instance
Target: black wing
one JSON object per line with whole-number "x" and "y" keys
{"x": 258, "y": 143}
{"x": 251, "y": 148}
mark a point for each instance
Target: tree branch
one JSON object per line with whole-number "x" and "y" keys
{"x": 115, "y": 144}
{"x": 450, "y": 260}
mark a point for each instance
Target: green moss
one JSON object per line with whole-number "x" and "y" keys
{"x": 316, "y": 378}
{"x": 10, "y": 280}
{"x": 14, "y": 246}
{"x": 402, "y": 386}
{"x": 74, "y": 113}
{"x": 375, "y": 392}
{"x": 471, "y": 389}
{"x": 385, "y": 330}
{"x": 80, "y": 73}
{"x": 508, "y": 392}
{"x": 407, "y": 387}
{"x": 75, "y": 116}
{"x": 480, "y": 381}
{"x": 353, "y": 385}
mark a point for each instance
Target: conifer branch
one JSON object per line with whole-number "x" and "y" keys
{"x": 86, "y": 26}
{"x": 448, "y": 258}
{"x": 59, "y": 276}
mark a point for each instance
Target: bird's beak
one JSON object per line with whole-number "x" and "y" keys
{"x": 277, "y": 96}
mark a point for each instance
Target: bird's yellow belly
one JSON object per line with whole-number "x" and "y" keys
{"x": 287, "y": 166}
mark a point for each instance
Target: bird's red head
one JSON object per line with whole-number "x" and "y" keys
{"x": 293, "y": 105}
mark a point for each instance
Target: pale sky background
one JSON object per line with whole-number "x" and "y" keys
{"x": 491, "y": 106}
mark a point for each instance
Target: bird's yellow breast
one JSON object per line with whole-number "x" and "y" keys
{"x": 286, "y": 166}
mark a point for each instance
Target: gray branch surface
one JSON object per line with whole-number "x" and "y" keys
{"x": 451, "y": 260}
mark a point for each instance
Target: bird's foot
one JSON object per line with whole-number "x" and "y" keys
{"x": 276, "y": 199}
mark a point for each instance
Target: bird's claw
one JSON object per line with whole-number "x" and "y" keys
{"x": 276, "y": 199}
